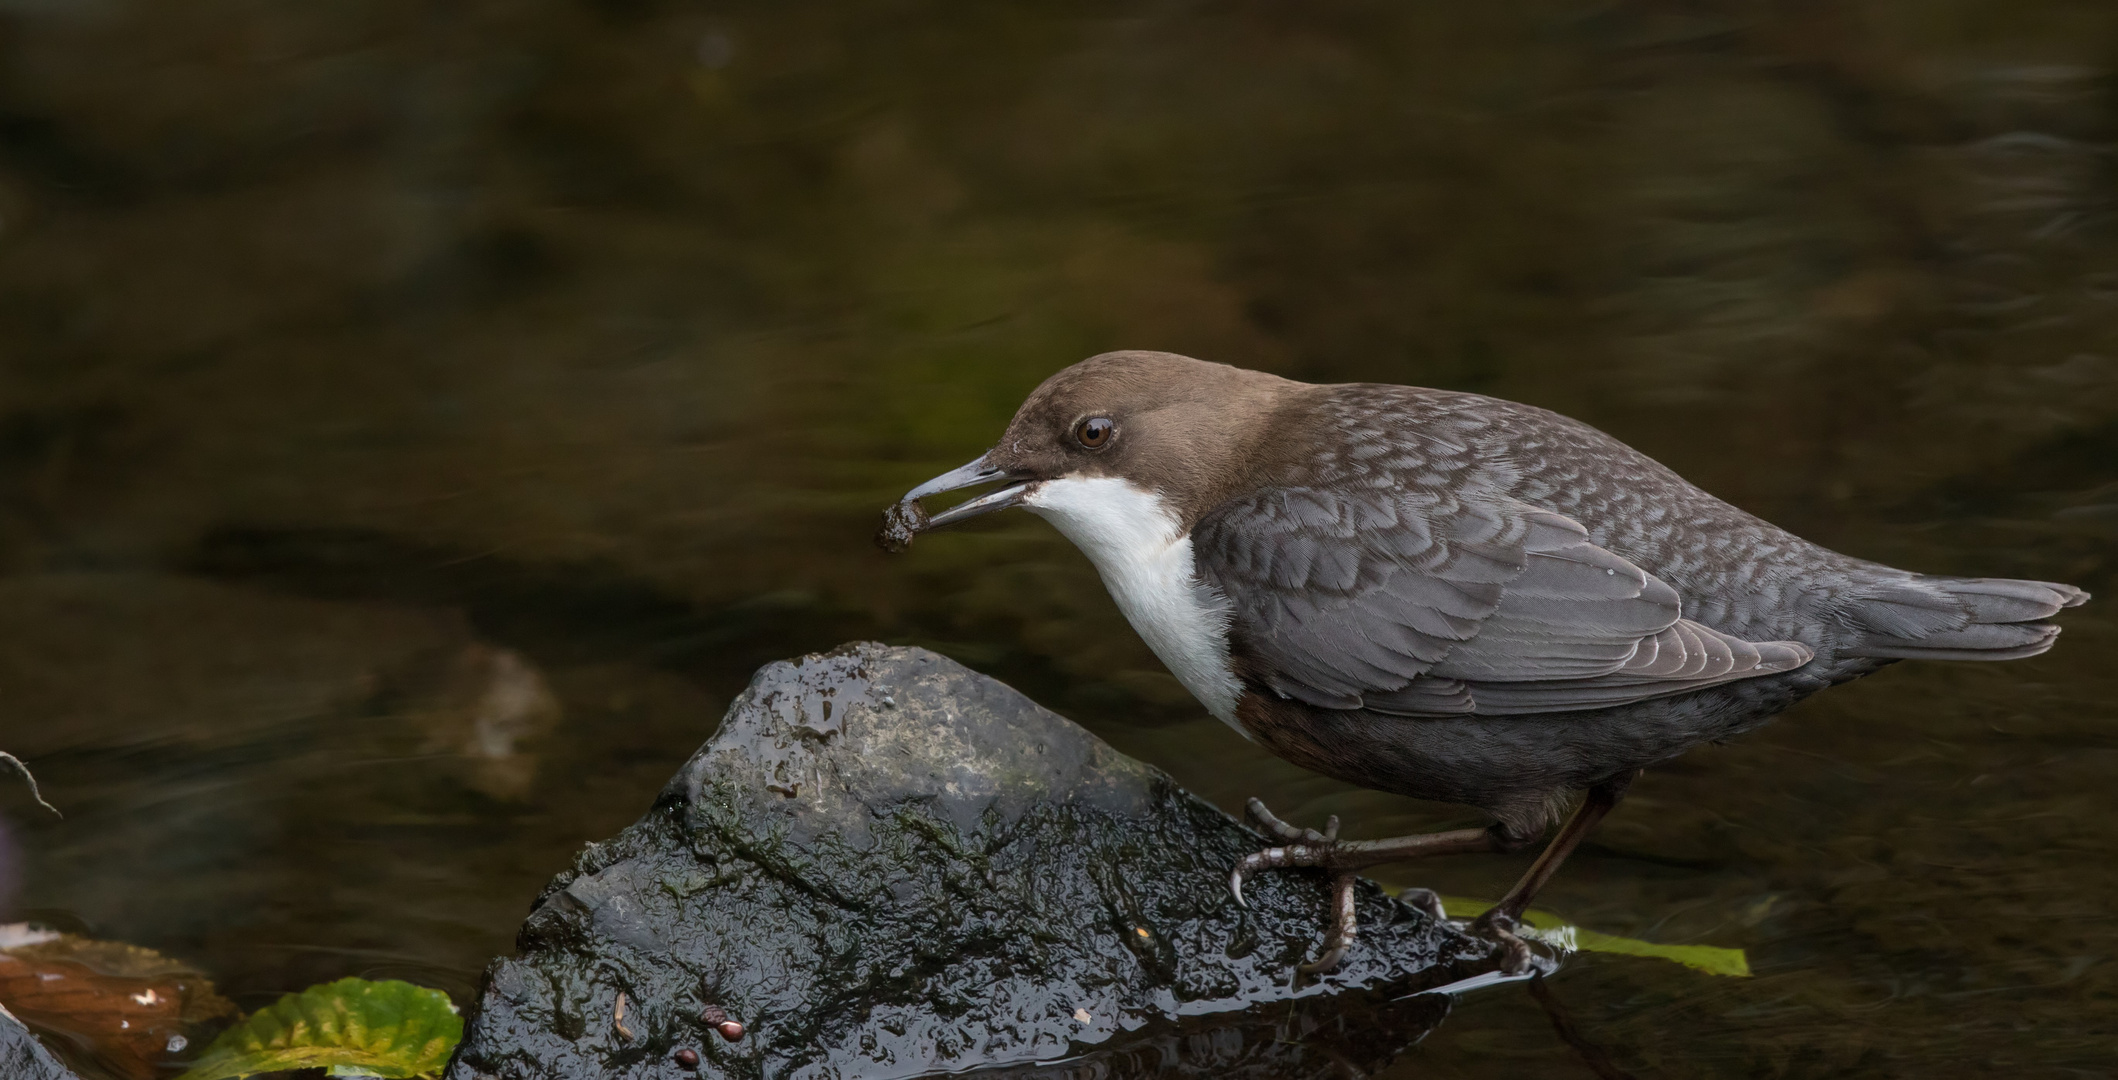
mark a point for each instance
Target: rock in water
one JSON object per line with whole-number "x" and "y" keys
{"x": 22, "y": 1057}
{"x": 887, "y": 865}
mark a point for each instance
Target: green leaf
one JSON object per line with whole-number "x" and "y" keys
{"x": 352, "y": 1027}
{"x": 1711, "y": 959}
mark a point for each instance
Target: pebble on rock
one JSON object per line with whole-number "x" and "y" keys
{"x": 717, "y": 1018}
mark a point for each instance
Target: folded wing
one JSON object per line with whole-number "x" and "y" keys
{"x": 1421, "y": 604}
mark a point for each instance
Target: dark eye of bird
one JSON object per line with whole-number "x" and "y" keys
{"x": 1094, "y": 432}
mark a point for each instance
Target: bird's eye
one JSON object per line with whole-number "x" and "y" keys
{"x": 1094, "y": 432}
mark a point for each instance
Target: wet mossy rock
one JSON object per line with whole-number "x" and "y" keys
{"x": 887, "y": 865}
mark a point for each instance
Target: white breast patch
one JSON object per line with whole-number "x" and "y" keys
{"x": 1149, "y": 571}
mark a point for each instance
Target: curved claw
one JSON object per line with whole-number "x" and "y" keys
{"x": 1326, "y": 962}
{"x": 1345, "y": 926}
{"x": 1251, "y": 864}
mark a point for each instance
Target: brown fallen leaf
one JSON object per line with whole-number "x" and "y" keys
{"x": 130, "y": 1010}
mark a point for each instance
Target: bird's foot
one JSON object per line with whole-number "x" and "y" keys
{"x": 1303, "y": 847}
{"x": 1344, "y": 859}
{"x": 1306, "y": 847}
{"x": 1427, "y": 901}
{"x": 1499, "y": 928}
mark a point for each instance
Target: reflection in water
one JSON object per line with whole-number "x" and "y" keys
{"x": 1346, "y": 1039}
{"x": 348, "y": 344}
{"x": 485, "y": 705}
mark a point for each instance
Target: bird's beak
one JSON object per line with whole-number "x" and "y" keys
{"x": 971, "y": 475}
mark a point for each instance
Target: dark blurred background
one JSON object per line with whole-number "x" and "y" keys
{"x": 418, "y": 419}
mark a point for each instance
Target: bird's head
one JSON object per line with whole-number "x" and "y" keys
{"x": 1185, "y": 430}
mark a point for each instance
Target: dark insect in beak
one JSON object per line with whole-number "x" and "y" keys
{"x": 907, "y": 518}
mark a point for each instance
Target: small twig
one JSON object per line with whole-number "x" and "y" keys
{"x": 32, "y": 778}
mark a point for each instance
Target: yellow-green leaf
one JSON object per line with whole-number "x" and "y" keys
{"x": 352, "y": 1027}
{"x": 1711, "y": 959}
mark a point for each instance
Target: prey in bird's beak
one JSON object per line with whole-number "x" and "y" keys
{"x": 907, "y": 518}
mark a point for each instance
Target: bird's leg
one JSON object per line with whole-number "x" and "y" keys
{"x": 1499, "y": 922}
{"x": 1324, "y": 850}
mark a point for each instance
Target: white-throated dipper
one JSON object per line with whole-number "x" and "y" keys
{"x": 1449, "y": 596}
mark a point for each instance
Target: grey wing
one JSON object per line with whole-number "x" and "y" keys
{"x": 1421, "y": 604}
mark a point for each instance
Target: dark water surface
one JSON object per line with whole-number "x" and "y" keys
{"x": 418, "y": 419}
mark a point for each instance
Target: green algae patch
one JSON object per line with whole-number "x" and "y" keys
{"x": 1711, "y": 959}
{"x": 352, "y": 1027}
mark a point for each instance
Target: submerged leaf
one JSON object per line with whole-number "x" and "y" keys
{"x": 352, "y": 1027}
{"x": 1711, "y": 959}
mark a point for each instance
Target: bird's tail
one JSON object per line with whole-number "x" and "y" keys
{"x": 1943, "y": 618}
